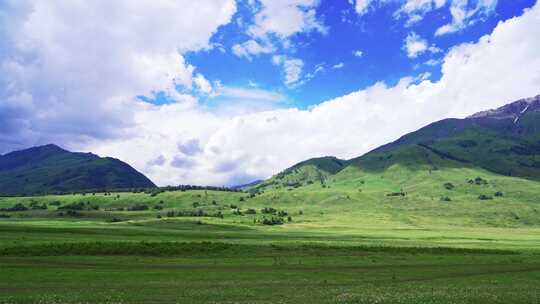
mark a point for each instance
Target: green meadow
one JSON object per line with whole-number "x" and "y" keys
{"x": 453, "y": 235}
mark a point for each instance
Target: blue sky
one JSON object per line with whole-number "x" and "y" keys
{"x": 378, "y": 34}
{"x": 223, "y": 92}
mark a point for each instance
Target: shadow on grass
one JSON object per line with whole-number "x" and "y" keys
{"x": 203, "y": 249}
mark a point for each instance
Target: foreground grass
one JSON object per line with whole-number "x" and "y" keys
{"x": 224, "y": 273}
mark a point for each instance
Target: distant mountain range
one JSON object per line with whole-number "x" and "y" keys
{"x": 51, "y": 169}
{"x": 505, "y": 141}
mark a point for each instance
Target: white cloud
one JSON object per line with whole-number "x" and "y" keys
{"x": 361, "y": 6}
{"x": 203, "y": 84}
{"x": 433, "y": 62}
{"x": 338, "y": 66}
{"x": 80, "y": 65}
{"x": 251, "y": 47}
{"x": 464, "y": 12}
{"x": 250, "y": 94}
{"x": 319, "y": 68}
{"x": 292, "y": 68}
{"x": 463, "y": 15}
{"x": 416, "y": 9}
{"x": 358, "y": 53}
{"x": 415, "y": 45}
{"x": 286, "y": 18}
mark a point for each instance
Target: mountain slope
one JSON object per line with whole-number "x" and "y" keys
{"x": 314, "y": 170}
{"x": 50, "y": 169}
{"x": 505, "y": 141}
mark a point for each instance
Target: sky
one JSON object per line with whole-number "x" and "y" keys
{"x": 224, "y": 92}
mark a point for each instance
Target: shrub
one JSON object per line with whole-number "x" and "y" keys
{"x": 499, "y": 194}
{"x": 73, "y": 213}
{"x": 233, "y": 206}
{"x": 300, "y": 212}
{"x": 158, "y": 207}
{"x": 5, "y": 216}
{"x": 449, "y": 186}
{"x": 401, "y": 193}
{"x": 289, "y": 219}
{"x": 268, "y": 210}
{"x": 478, "y": 181}
{"x": 16, "y": 207}
{"x": 272, "y": 221}
{"x": 241, "y": 199}
{"x": 55, "y": 203}
{"x": 446, "y": 199}
{"x": 485, "y": 197}
{"x": 238, "y": 212}
{"x": 116, "y": 220}
{"x": 196, "y": 204}
{"x": 251, "y": 211}
{"x": 73, "y": 206}
{"x": 155, "y": 192}
{"x": 138, "y": 207}
{"x": 282, "y": 213}
{"x": 39, "y": 207}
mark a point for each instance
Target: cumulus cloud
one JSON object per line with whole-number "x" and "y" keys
{"x": 415, "y": 45}
{"x": 70, "y": 71}
{"x": 202, "y": 84}
{"x": 338, "y": 66}
{"x": 275, "y": 23}
{"x": 286, "y": 18}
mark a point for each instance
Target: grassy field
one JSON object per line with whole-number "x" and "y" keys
{"x": 347, "y": 242}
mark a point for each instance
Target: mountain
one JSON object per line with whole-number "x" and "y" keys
{"x": 315, "y": 170}
{"x": 505, "y": 141}
{"x": 51, "y": 169}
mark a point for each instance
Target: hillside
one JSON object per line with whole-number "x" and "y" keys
{"x": 51, "y": 169}
{"x": 315, "y": 170}
{"x": 505, "y": 141}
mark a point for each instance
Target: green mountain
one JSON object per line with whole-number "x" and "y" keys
{"x": 315, "y": 170}
{"x": 51, "y": 169}
{"x": 505, "y": 141}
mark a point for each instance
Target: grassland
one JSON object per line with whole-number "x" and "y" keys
{"x": 395, "y": 236}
